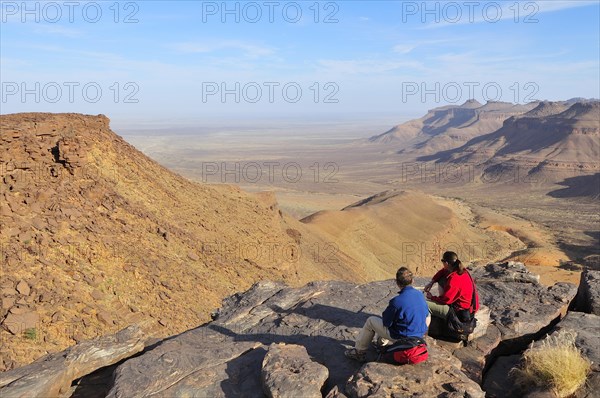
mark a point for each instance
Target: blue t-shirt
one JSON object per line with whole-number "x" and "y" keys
{"x": 406, "y": 314}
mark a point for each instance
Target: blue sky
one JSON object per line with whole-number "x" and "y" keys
{"x": 193, "y": 60}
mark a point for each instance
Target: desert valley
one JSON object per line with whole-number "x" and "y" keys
{"x": 528, "y": 172}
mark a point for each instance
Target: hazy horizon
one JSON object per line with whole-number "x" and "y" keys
{"x": 169, "y": 61}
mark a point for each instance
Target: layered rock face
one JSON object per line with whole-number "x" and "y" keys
{"x": 277, "y": 341}
{"x": 553, "y": 141}
{"x": 449, "y": 127}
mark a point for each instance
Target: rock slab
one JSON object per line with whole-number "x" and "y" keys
{"x": 519, "y": 307}
{"x": 52, "y": 376}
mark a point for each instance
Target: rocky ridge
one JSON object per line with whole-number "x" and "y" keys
{"x": 274, "y": 341}
{"x": 449, "y": 127}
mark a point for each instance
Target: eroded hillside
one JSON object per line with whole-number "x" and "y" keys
{"x": 96, "y": 236}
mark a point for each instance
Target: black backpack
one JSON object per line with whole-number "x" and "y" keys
{"x": 461, "y": 323}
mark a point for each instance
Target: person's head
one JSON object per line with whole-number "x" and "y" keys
{"x": 452, "y": 263}
{"x": 404, "y": 277}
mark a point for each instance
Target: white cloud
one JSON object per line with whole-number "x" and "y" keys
{"x": 403, "y": 48}
{"x": 249, "y": 49}
{"x": 57, "y": 30}
{"x": 366, "y": 66}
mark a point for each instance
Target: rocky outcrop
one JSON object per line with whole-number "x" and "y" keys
{"x": 505, "y": 272}
{"x": 587, "y": 330}
{"x": 588, "y": 297}
{"x": 585, "y": 326}
{"x": 519, "y": 307}
{"x": 52, "y": 376}
{"x": 225, "y": 356}
{"x": 277, "y": 341}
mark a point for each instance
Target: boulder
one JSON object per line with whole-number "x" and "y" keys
{"x": 8, "y": 291}
{"x": 97, "y": 295}
{"x": 8, "y": 302}
{"x": 288, "y": 372}
{"x": 17, "y": 321}
{"x": 439, "y": 376}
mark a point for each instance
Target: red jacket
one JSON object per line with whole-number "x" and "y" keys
{"x": 459, "y": 291}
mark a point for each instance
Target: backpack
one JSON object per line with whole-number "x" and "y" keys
{"x": 461, "y": 323}
{"x": 408, "y": 350}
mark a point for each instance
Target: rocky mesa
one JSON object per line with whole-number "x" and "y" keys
{"x": 555, "y": 140}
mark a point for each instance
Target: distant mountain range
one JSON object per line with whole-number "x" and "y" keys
{"x": 555, "y": 140}
{"x": 552, "y": 137}
{"x": 449, "y": 127}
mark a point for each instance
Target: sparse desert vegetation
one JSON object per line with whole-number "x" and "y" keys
{"x": 554, "y": 364}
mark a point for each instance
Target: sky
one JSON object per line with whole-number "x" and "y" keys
{"x": 174, "y": 61}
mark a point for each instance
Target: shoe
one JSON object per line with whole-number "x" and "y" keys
{"x": 355, "y": 354}
{"x": 380, "y": 344}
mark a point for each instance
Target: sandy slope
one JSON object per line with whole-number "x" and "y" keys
{"x": 408, "y": 228}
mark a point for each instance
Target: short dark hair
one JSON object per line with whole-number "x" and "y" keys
{"x": 404, "y": 277}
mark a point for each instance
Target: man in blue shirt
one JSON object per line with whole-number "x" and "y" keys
{"x": 407, "y": 315}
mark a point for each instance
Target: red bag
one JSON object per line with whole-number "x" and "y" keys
{"x": 405, "y": 351}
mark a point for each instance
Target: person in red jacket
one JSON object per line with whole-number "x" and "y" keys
{"x": 456, "y": 288}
